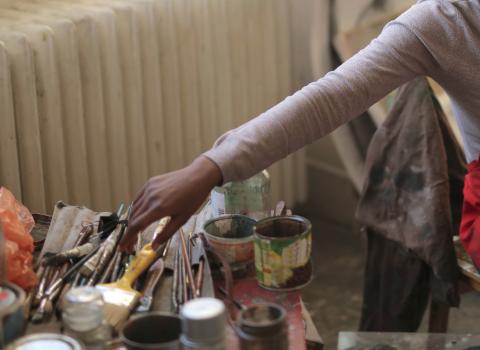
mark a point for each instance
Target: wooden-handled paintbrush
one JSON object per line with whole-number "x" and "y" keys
{"x": 154, "y": 274}
{"x": 120, "y": 298}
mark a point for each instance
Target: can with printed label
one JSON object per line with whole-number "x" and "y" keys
{"x": 283, "y": 246}
{"x": 250, "y": 197}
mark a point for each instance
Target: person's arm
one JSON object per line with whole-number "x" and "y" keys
{"x": 392, "y": 59}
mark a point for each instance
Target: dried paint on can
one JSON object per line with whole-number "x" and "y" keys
{"x": 283, "y": 246}
{"x": 250, "y": 197}
{"x": 232, "y": 237}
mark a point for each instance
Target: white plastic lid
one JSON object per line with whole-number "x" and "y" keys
{"x": 203, "y": 309}
{"x": 83, "y": 309}
{"x": 203, "y": 320}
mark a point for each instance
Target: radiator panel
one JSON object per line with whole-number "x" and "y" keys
{"x": 101, "y": 94}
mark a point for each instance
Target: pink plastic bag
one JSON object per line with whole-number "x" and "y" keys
{"x": 17, "y": 223}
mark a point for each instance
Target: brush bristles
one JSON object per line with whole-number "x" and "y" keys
{"x": 116, "y": 315}
{"x": 118, "y": 304}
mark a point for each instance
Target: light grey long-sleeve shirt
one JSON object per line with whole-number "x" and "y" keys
{"x": 435, "y": 38}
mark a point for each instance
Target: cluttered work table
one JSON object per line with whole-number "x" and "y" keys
{"x": 169, "y": 291}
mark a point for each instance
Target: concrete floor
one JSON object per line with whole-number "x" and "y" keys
{"x": 334, "y": 297}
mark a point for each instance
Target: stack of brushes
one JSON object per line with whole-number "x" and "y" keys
{"x": 93, "y": 259}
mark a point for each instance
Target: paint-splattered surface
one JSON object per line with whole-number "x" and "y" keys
{"x": 247, "y": 291}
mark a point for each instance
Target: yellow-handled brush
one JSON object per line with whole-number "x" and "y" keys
{"x": 120, "y": 298}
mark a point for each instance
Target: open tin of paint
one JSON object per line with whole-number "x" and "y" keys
{"x": 283, "y": 245}
{"x": 152, "y": 331}
{"x": 232, "y": 237}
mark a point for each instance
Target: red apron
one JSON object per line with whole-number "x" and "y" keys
{"x": 470, "y": 225}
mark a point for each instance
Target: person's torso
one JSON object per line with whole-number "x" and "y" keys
{"x": 453, "y": 39}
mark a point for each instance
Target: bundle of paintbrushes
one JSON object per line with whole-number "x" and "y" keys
{"x": 187, "y": 282}
{"x": 93, "y": 258}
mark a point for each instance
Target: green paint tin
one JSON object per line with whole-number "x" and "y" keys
{"x": 283, "y": 246}
{"x": 250, "y": 197}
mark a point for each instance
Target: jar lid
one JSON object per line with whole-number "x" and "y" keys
{"x": 7, "y": 298}
{"x": 203, "y": 320}
{"x": 42, "y": 341}
{"x": 83, "y": 309}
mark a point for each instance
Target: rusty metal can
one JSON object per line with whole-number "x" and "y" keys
{"x": 283, "y": 246}
{"x": 250, "y": 197}
{"x": 263, "y": 327}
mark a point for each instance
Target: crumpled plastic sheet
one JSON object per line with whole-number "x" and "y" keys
{"x": 17, "y": 223}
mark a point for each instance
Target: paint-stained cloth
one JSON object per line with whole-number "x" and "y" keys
{"x": 410, "y": 207}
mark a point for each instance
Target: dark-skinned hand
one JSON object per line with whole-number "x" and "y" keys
{"x": 177, "y": 195}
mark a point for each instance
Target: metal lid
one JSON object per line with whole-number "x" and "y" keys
{"x": 7, "y": 297}
{"x": 203, "y": 320}
{"x": 11, "y": 298}
{"x": 42, "y": 341}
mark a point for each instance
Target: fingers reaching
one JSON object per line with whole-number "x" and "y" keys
{"x": 169, "y": 230}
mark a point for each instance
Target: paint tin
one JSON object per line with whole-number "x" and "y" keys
{"x": 283, "y": 246}
{"x": 48, "y": 341}
{"x": 250, "y": 197}
{"x": 12, "y": 318}
{"x": 232, "y": 237}
{"x": 152, "y": 331}
{"x": 263, "y": 327}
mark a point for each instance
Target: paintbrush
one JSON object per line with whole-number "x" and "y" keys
{"x": 42, "y": 286}
{"x": 154, "y": 274}
{"x": 187, "y": 264}
{"x": 106, "y": 277}
{"x": 120, "y": 298}
{"x": 175, "y": 285}
{"x": 110, "y": 246}
{"x": 89, "y": 267}
{"x": 117, "y": 267}
{"x": 63, "y": 257}
{"x": 199, "y": 277}
{"x": 46, "y": 303}
{"x": 71, "y": 271}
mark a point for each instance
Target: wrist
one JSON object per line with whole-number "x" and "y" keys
{"x": 208, "y": 171}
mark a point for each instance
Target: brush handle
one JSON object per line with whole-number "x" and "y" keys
{"x": 140, "y": 263}
{"x": 153, "y": 277}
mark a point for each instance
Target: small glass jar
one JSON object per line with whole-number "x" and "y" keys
{"x": 83, "y": 317}
{"x": 251, "y": 197}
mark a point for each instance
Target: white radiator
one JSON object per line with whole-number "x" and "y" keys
{"x": 98, "y": 95}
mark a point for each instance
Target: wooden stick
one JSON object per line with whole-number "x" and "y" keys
{"x": 175, "y": 286}
{"x": 199, "y": 277}
{"x": 187, "y": 264}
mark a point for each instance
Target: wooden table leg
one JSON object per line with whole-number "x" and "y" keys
{"x": 438, "y": 318}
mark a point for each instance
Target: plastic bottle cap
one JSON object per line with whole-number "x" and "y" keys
{"x": 203, "y": 320}
{"x": 83, "y": 309}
